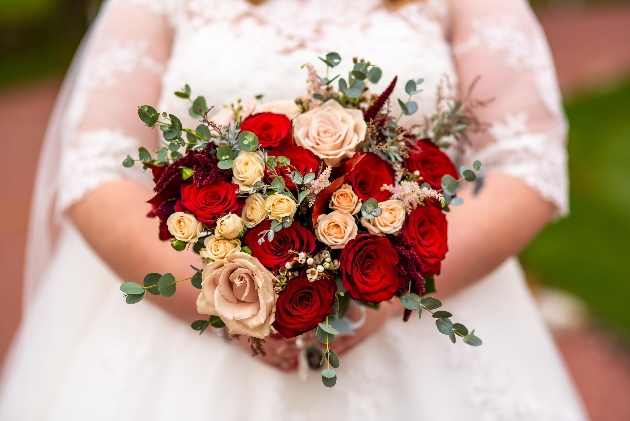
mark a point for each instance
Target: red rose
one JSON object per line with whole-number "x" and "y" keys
{"x": 431, "y": 162}
{"x": 368, "y": 268}
{"x": 426, "y": 227}
{"x": 303, "y": 305}
{"x": 271, "y": 129}
{"x": 274, "y": 254}
{"x": 368, "y": 177}
{"x": 209, "y": 203}
{"x": 302, "y": 160}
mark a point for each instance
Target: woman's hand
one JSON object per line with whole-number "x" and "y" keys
{"x": 374, "y": 321}
{"x": 285, "y": 353}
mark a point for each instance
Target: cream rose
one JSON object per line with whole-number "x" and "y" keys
{"x": 280, "y": 206}
{"x": 247, "y": 170}
{"x": 390, "y": 221}
{"x": 285, "y": 107}
{"x": 330, "y": 131}
{"x": 184, "y": 227}
{"x": 229, "y": 226}
{"x": 254, "y": 211}
{"x": 345, "y": 200}
{"x": 336, "y": 229}
{"x": 239, "y": 290}
{"x": 219, "y": 248}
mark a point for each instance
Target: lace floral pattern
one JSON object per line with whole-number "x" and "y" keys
{"x": 93, "y": 159}
{"x": 531, "y": 157}
{"x": 521, "y": 51}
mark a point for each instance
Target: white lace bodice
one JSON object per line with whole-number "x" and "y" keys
{"x": 144, "y": 50}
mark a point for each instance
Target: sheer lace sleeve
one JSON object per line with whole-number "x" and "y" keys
{"x": 120, "y": 69}
{"x": 501, "y": 41}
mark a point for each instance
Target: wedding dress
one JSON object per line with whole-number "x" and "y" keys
{"x": 83, "y": 354}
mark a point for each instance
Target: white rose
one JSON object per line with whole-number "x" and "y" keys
{"x": 280, "y": 206}
{"x": 285, "y": 107}
{"x": 240, "y": 290}
{"x": 254, "y": 211}
{"x": 330, "y": 131}
{"x": 247, "y": 170}
{"x": 336, "y": 229}
{"x": 219, "y": 248}
{"x": 345, "y": 200}
{"x": 390, "y": 221}
{"x": 184, "y": 227}
{"x": 229, "y": 226}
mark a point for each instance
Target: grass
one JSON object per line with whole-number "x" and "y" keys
{"x": 588, "y": 254}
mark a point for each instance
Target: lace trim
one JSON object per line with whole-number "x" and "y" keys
{"x": 93, "y": 159}
{"x": 493, "y": 390}
{"x": 523, "y": 52}
{"x": 534, "y": 158}
{"x": 315, "y": 26}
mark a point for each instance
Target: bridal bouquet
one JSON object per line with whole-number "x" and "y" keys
{"x": 298, "y": 208}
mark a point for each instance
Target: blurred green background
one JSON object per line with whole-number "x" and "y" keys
{"x": 585, "y": 254}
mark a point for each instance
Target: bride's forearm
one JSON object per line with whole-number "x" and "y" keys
{"x": 113, "y": 220}
{"x": 488, "y": 228}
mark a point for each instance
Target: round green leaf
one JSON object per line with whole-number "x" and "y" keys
{"x": 216, "y": 322}
{"x": 375, "y": 74}
{"x": 224, "y": 152}
{"x": 128, "y": 162}
{"x": 166, "y": 285}
{"x": 329, "y": 382}
{"x": 460, "y": 328}
{"x": 410, "y": 87}
{"x": 353, "y": 93}
{"x": 152, "y": 279}
{"x": 359, "y": 74}
{"x": 226, "y": 164}
{"x": 329, "y": 374}
{"x": 445, "y": 326}
{"x": 322, "y": 335}
{"x": 144, "y": 154}
{"x": 343, "y": 86}
{"x": 131, "y": 288}
{"x": 477, "y": 165}
{"x": 135, "y": 298}
{"x": 472, "y": 340}
{"x": 410, "y": 301}
{"x": 442, "y": 315}
{"x": 431, "y": 303}
{"x": 469, "y": 175}
{"x": 328, "y": 329}
{"x": 199, "y": 324}
{"x": 333, "y": 358}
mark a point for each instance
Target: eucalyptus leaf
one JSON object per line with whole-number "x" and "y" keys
{"x": 302, "y": 196}
{"x": 216, "y": 322}
{"x": 323, "y": 336}
{"x": 460, "y": 328}
{"x": 131, "y": 288}
{"x": 196, "y": 280}
{"x": 457, "y": 201}
{"x": 135, "y": 298}
{"x": 333, "y": 358}
{"x": 445, "y": 326}
{"x": 199, "y": 324}
{"x": 403, "y": 106}
{"x": 449, "y": 184}
{"x": 353, "y": 93}
{"x": 472, "y": 340}
{"x": 151, "y": 280}
{"x": 410, "y": 87}
{"x": 144, "y": 154}
{"x": 359, "y": 74}
{"x": 410, "y": 301}
{"x": 128, "y": 162}
{"x": 442, "y": 315}
{"x": 329, "y": 374}
{"x": 166, "y": 285}
{"x": 343, "y": 86}
{"x": 469, "y": 175}
{"x": 375, "y": 74}
{"x": 203, "y": 131}
{"x": 309, "y": 178}
{"x": 329, "y": 382}
{"x": 430, "y": 303}
{"x": 226, "y": 164}
{"x": 328, "y": 329}
{"x": 477, "y": 165}
{"x": 247, "y": 141}
{"x": 224, "y": 152}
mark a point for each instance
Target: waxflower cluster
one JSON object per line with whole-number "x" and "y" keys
{"x": 298, "y": 207}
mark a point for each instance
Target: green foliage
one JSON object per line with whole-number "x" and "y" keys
{"x": 150, "y": 282}
{"x": 166, "y": 285}
{"x": 370, "y": 209}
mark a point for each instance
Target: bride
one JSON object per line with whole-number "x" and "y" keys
{"x": 83, "y": 354}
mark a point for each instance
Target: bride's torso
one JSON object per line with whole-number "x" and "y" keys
{"x": 227, "y": 50}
